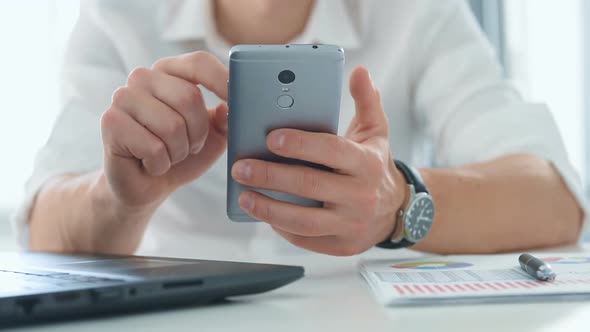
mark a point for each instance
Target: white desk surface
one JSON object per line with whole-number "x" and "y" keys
{"x": 334, "y": 297}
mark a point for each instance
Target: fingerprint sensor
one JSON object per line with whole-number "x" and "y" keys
{"x": 285, "y": 101}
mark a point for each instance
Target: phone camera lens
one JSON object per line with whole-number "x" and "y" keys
{"x": 286, "y": 77}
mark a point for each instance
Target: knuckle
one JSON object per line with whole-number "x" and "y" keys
{"x": 199, "y": 56}
{"x": 121, "y": 96}
{"x": 138, "y": 76}
{"x": 189, "y": 99}
{"x": 180, "y": 154}
{"x": 309, "y": 182}
{"x": 198, "y": 135}
{"x": 372, "y": 199}
{"x": 337, "y": 146}
{"x": 160, "y": 63}
{"x": 298, "y": 139}
{"x": 295, "y": 142}
{"x": 109, "y": 122}
{"x": 375, "y": 163}
{"x": 262, "y": 210}
{"x": 109, "y": 118}
{"x": 267, "y": 177}
{"x": 194, "y": 61}
{"x": 157, "y": 150}
{"x": 174, "y": 125}
{"x": 307, "y": 226}
{"x": 367, "y": 199}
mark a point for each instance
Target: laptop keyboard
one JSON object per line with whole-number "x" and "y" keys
{"x": 11, "y": 280}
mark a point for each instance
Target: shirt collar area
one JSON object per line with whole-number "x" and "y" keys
{"x": 330, "y": 22}
{"x": 183, "y": 20}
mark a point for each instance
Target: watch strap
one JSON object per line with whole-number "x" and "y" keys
{"x": 388, "y": 244}
{"x": 412, "y": 176}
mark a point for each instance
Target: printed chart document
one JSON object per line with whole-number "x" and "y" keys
{"x": 458, "y": 279}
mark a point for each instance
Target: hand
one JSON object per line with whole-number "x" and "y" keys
{"x": 158, "y": 134}
{"x": 361, "y": 197}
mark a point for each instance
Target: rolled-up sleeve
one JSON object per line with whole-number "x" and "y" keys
{"x": 90, "y": 73}
{"x": 468, "y": 109}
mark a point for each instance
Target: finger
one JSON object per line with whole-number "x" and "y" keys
{"x": 333, "y": 151}
{"x": 328, "y": 245}
{"x": 289, "y": 217}
{"x": 296, "y": 180}
{"x": 219, "y": 119}
{"x": 181, "y": 96}
{"x": 198, "y": 68}
{"x": 197, "y": 164}
{"x": 158, "y": 118}
{"x": 369, "y": 111}
{"x": 128, "y": 141}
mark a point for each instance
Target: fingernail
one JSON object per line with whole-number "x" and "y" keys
{"x": 242, "y": 171}
{"x": 276, "y": 140}
{"x": 246, "y": 202}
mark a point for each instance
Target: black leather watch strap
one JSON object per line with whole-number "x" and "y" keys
{"x": 412, "y": 178}
{"x": 388, "y": 244}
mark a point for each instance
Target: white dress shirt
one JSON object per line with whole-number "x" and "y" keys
{"x": 441, "y": 83}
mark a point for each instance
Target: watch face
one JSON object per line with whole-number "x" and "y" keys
{"x": 419, "y": 217}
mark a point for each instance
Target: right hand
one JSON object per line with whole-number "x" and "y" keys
{"x": 158, "y": 133}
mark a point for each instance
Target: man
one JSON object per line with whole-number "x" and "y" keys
{"x": 145, "y": 87}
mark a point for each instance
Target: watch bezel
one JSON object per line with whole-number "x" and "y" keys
{"x": 414, "y": 200}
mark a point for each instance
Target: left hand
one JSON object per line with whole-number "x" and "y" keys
{"x": 361, "y": 196}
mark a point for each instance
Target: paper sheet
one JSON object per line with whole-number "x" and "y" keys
{"x": 457, "y": 279}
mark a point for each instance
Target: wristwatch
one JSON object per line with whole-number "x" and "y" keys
{"x": 416, "y": 217}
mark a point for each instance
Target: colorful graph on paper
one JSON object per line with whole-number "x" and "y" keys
{"x": 473, "y": 277}
{"x": 431, "y": 265}
{"x": 567, "y": 260}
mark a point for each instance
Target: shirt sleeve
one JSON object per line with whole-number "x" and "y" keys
{"x": 91, "y": 72}
{"x": 468, "y": 109}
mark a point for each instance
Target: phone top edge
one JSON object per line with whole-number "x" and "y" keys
{"x": 285, "y": 51}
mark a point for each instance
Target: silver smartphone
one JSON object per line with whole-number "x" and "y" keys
{"x": 279, "y": 86}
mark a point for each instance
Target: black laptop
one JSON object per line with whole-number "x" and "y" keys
{"x": 41, "y": 286}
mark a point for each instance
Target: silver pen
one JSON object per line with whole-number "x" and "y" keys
{"x": 536, "y": 267}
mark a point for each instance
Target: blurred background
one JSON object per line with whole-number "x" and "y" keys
{"x": 543, "y": 44}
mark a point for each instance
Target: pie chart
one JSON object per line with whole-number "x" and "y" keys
{"x": 567, "y": 261}
{"x": 432, "y": 265}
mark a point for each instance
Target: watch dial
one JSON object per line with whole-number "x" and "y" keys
{"x": 419, "y": 218}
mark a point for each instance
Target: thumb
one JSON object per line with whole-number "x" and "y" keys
{"x": 219, "y": 119}
{"x": 369, "y": 110}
